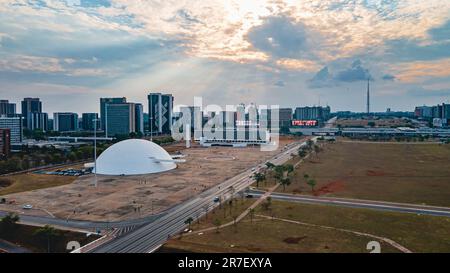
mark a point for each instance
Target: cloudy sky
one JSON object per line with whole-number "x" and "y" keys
{"x": 292, "y": 53}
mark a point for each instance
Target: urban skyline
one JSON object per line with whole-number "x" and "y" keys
{"x": 263, "y": 52}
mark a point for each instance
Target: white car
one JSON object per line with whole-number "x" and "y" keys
{"x": 27, "y": 206}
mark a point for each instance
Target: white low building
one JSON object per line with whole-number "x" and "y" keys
{"x": 134, "y": 157}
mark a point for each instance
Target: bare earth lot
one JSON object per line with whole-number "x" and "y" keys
{"x": 126, "y": 197}
{"x": 406, "y": 173}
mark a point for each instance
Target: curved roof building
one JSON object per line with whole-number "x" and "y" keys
{"x": 134, "y": 157}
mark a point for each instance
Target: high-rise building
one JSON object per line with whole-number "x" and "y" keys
{"x": 37, "y": 121}
{"x": 196, "y": 115}
{"x": 5, "y": 142}
{"x": 103, "y": 102}
{"x": 312, "y": 113}
{"x": 120, "y": 119}
{"x": 14, "y": 124}
{"x": 160, "y": 113}
{"x": 139, "y": 117}
{"x": 30, "y": 105}
{"x": 7, "y": 109}
{"x": 285, "y": 117}
{"x": 65, "y": 122}
{"x": 87, "y": 121}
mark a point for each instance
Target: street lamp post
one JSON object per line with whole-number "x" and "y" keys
{"x": 95, "y": 152}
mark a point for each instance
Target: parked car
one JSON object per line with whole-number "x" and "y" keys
{"x": 27, "y": 206}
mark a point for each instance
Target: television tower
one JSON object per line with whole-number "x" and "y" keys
{"x": 368, "y": 96}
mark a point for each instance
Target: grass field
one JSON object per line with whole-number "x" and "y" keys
{"x": 271, "y": 236}
{"x": 405, "y": 173}
{"x": 417, "y": 233}
{"x": 28, "y": 182}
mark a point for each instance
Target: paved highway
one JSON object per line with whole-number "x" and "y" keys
{"x": 150, "y": 236}
{"x": 356, "y": 203}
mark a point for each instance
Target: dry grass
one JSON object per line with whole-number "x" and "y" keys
{"x": 390, "y": 172}
{"x": 419, "y": 233}
{"x": 31, "y": 181}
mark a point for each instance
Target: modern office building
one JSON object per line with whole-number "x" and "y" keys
{"x": 37, "y": 121}
{"x": 87, "y": 121}
{"x": 438, "y": 114}
{"x": 195, "y": 113}
{"x": 65, "y": 122}
{"x": 160, "y": 113}
{"x": 139, "y": 117}
{"x": 7, "y": 109}
{"x": 285, "y": 117}
{"x": 423, "y": 112}
{"x": 312, "y": 113}
{"x": 120, "y": 119}
{"x": 103, "y": 102}
{"x": 5, "y": 142}
{"x": 30, "y": 105}
{"x": 14, "y": 124}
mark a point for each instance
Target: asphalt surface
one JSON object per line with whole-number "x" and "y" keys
{"x": 149, "y": 237}
{"x": 356, "y": 203}
{"x": 12, "y": 248}
{"x": 81, "y": 224}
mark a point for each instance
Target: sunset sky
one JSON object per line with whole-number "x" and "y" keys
{"x": 292, "y": 53}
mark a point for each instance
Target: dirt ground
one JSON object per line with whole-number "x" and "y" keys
{"x": 127, "y": 197}
{"x": 408, "y": 173}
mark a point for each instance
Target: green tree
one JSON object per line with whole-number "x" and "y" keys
{"x": 9, "y": 223}
{"x": 312, "y": 184}
{"x": 259, "y": 177}
{"x": 189, "y": 222}
{"x": 306, "y": 176}
{"x": 309, "y": 144}
{"x": 317, "y": 150}
{"x": 252, "y": 214}
{"x": 302, "y": 153}
{"x": 285, "y": 181}
{"x": 217, "y": 223}
{"x": 47, "y": 232}
{"x": 270, "y": 165}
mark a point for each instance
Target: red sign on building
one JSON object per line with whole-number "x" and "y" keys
{"x": 305, "y": 123}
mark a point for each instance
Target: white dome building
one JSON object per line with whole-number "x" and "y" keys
{"x": 134, "y": 157}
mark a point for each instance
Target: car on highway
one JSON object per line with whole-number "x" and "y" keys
{"x": 216, "y": 199}
{"x": 27, "y": 206}
{"x": 248, "y": 195}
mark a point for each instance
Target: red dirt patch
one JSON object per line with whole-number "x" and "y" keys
{"x": 333, "y": 186}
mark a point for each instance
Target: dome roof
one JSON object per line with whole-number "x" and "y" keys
{"x": 133, "y": 157}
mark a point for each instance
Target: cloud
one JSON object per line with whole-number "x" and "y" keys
{"x": 388, "y": 77}
{"x": 356, "y": 72}
{"x": 424, "y": 92}
{"x": 413, "y": 72}
{"x": 279, "y": 83}
{"x": 298, "y": 65}
{"x": 441, "y": 33}
{"x": 280, "y": 37}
